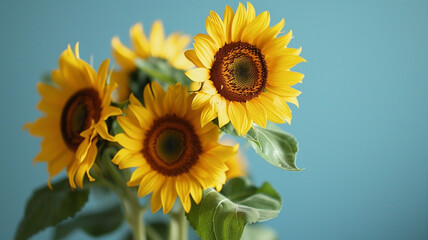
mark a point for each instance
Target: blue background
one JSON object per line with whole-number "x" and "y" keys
{"x": 361, "y": 125}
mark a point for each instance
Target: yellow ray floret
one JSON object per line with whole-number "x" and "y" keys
{"x": 75, "y": 109}
{"x": 172, "y": 153}
{"x": 243, "y": 69}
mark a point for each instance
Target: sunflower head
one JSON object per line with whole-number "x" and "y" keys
{"x": 174, "y": 155}
{"x": 169, "y": 49}
{"x": 75, "y": 108}
{"x": 243, "y": 68}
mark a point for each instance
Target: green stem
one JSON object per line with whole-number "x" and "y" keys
{"x": 178, "y": 227}
{"x": 134, "y": 216}
{"x": 173, "y": 228}
{"x": 183, "y": 225}
{"x": 132, "y": 209}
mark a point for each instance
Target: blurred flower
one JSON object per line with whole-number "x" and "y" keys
{"x": 170, "y": 49}
{"x": 243, "y": 68}
{"x": 237, "y": 165}
{"x": 75, "y": 108}
{"x": 172, "y": 152}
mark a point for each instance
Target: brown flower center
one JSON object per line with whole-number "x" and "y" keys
{"x": 77, "y": 115}
{"x": 239, "y": 72}
{"x": 171, "y": 146}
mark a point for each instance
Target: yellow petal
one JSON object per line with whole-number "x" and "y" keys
{"x": 293, "y": 100}
{"x": 149, "y": 183}
{"x": 58, "y": 164}
{"x": 124, "y": 56}
{"x": 139, "y": 40}
{"x": 284, "y": 78}
{"x": 222, "y": 152}
{"x": 207, "y": 115}
{"x": 42, "y": 125}
{"x": 152, "y": 92}
{"x": 227, "y": 20}
{"x": 199, "y": 74}
{"x": 200, "y": 100}
{"x": 169, "y": 47}
{"x": 121, "y": 79}
{"x": 283, "y": 91}
{"x": 102, "y": 75}
{"x": 270, "y": 33}
{"x": 101, "y": 128}
{"x": 223, "y": 117}
{"x": 238, "y": 23}
{"x": 257, "y": 113}
{"x": 109, "y": 111}
{"x": 58, "y": 79}
{"x": 201, "y": 175}
{"x": 168, "y": 195}
{"x": 207, "y": 40}
{"x": 191, "y": 55}
{"x": 155, "y": 201}
{"x": 238, "y": 117}
{"x": 49, "y": 151}
{"x": 254, "y": 28}
{"x": 134, "y": 101}
{"x": 52, "y": 95}
{"x": 215, "y": 29}
{"x": 204, "y": 53}
{"x": 276, "y": 108}
{"x": 83, "y": 148}
{"x": 130, "y": 128}
{"x": 209, "y": 88}
{"x": 71, "y": 172}
{"x": 130, "y": 143}
{"x": 157, "y": 38}
{"x": 251, "y": 12}
{"x": 86, "y": 165}
{"x": 142, "y": 116}
{"x": 137, "y": 175}
{"x": 182, "y": 187}
{"x": 195, "y": 190}
{"x": 284, "y": 62}
{"x": 274, "y": 50}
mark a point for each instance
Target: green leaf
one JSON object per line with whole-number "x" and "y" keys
{"x": 49, "y": 207}
{"x": 272, "y": 144}
{"x": 94, "y": 224}
{"x": 257, "y": 232}
{"x": 224, "y": 215}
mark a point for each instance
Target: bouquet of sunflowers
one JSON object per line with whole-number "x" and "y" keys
{"x": 148, "y": 131}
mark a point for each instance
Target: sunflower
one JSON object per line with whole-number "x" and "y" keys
{"x": 244, "y": 70}
{"x": 75, "y": 108}
{"x": 173, "y": 154}
{"x": 170, "y": 49}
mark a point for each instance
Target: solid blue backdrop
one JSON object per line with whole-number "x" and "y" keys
{"x": 361, "y": 125}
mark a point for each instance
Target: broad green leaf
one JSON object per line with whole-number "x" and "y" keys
{"x": 94, "y": 224}
{"x": 49, "y": 207}
{"x": 258, "y": 232}
{"x": 272, "y": 144}
{"x": 224, "y": 215}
